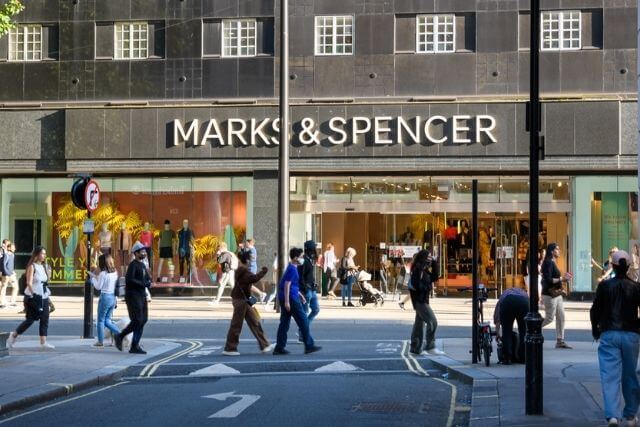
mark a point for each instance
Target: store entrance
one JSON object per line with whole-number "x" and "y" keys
{"x": 385, "y": 243}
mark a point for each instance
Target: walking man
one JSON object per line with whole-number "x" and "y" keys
{"x": 228, "y": 263}
{"x": 308, "y": 286}
{"x": 253, "y": 260}
{"x": 138, "y": 280}
{"x": 8, "y": 275}
{"x": 615, "y": 322}
{"x": 291, "y": 301}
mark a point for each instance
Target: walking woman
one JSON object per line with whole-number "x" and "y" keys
{"x": 552, "y": 281}
{"x": 243, "y": 309}
{"x": 105, "y": 281}
{"x": 329, "y": 262}
{"x": 351, "y": 270}
{"x": 424, "y": 273}
{"x": 36, "y": 298}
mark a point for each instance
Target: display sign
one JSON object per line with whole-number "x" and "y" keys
{"x": 403, "y": 251}
{"x": 380, "y": 130}
{"x": 88, "y": 226}
{"x": 505, "y": 252}
{"x": 91, "y": 195}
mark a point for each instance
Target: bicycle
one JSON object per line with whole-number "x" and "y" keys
{"x": 485, "y": 334}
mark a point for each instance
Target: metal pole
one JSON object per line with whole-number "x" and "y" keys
{"x": 534, "y": 338}
{"x": 88, "y": 292}
{"x": 283, "y": 157}
{"x": 474, "y": 270}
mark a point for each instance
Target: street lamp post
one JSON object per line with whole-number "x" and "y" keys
{"x": 534, "y": 338}
{"x": 283, "y": 152}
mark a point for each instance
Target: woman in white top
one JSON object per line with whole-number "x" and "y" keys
{"x": 36, "y": 298}
{"x": 105, "y": 281}
{"x": 329, "y": 268}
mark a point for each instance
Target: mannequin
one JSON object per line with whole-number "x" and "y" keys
{"x": 146, "y": 238}
{"x": 450, "y": 234}
{"x": 104, "y": 238}
{"x": 185, "y": 248}
{"x": 123, "y": 246}
{"x": 464, "y": 238}
{"x": 166, "y": 246}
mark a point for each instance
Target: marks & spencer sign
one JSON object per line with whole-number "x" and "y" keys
{"x": 379, "y": 131}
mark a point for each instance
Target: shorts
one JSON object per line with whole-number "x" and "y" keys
{"x": 166, "y": 252}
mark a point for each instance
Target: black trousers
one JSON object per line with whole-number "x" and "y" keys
{"x": 185, "y": 259}
{"x": 513, "y": 307}
{"x": 139, "y": 314}
{"x": 32, "y": 315}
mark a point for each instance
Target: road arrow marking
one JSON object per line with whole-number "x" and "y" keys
{"x": 204, "y": 351}
{"x": 234, "y": 409}
{"x": 217, "y": 369}
{"x": 387, "y": 348}
{"x": 338, "y": 366}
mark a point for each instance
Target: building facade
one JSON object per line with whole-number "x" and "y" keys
{"x": 396, "y": 106}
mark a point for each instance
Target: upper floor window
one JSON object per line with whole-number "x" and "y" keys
{"x": 334, "y": 35}
{"x": 131, "y": 40}
{"x": 25, "y": 43}
{"x": 435, "y": 33}
{"x": 239, "y": 37}
{"x": 561, "y": 30}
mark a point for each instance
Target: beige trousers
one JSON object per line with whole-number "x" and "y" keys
{"x": 4, "y": 284}
{"x": 554, "y": 307}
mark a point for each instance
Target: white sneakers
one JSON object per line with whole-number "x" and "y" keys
{"x": 47, "y": 346}
{"x": 11, "y": 340}
{"x": 631, "y": 422}
{"x": 268, "y": 349}
{"x": 230, "y": 353}
{"x": 435, "y": 352}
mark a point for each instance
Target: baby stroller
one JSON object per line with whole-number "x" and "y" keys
{"x": 368, "y": 294}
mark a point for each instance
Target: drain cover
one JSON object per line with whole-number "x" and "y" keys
{"x": 384, "y": 407}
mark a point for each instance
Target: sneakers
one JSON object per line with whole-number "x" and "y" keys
{"x": 98, "y": 344}
{"x": 349, "y": 304}
{"x": 562, "y": 344}
{"x": 268, "y": 349}
{"x": 280, "y": 352}
{"x": 401, "y": 304}
{"x": 612, "y": 422}
{"x": 631, "y": 421}
{"x": 214, "y": 303}
{"x": 435, "y": 352}
{"x": 312, "y": 349}
{"x": 11, "y": 341}
{"x": 230, "y": 353}
{"x": 118, "y": 341}
{"x": 137, "y": 350}
{"x": 47, "y": 346}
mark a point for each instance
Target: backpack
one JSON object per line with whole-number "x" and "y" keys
{"x": 22, "y": 283}
{"x": 234, "y": 261}
{"x": 343, "y": 272}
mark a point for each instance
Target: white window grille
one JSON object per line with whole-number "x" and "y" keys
{"x": 25, "y": 43}
{"x": 239, "y": 37}
{"x": 131, "y": 40}
{"x": 561, "y": 30}
{"x": 435, "y": 33}
{"x": 334, "y": 35}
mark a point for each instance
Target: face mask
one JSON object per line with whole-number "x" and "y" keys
{"x": 301, "y": 260}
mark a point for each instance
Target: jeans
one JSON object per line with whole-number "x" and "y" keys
{"x": 311, "y": 306}
{"x": 106, "y": 304}
{"x": 618, "y": 358}
{"x": 423, "y": 333}
{"x": 299, "y": 315}
{"x": 347, "y": 288}
{"x": 554, "y": 307}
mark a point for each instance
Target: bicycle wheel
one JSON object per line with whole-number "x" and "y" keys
{"x": 486, "y": 341}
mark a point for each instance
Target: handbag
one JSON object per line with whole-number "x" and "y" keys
{"x": 251, "y": 300}
{"x": 556, "y": 292}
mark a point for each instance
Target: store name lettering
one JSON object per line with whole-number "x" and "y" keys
{"x": 383, "y": 130}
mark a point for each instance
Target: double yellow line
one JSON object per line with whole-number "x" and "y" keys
{"x": 151, "y": 368}
{"x": 411, "y": 361}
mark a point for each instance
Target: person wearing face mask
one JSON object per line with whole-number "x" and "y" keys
{"x": 138, "y": 280}
{"x": 291, "y": 305}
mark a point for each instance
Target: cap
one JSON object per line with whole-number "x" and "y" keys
{"x": 620, "y": 255}
{"x": 136, "y": 247}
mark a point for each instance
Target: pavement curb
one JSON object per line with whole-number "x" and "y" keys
{"x": 485, "y": 403}
{"x": 26, "y": 398}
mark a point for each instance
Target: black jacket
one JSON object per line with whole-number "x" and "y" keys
{"x": 549, "y": 271}
{"x": 615, "y": 307}
{"x": 422, "y": 279}
{"x": 137, "y": 279}
{"x": 307, "y": 279}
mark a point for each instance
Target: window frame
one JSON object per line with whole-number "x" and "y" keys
{"x": 116, "y": 25}
{"x": 436, "y": 17}
{"x": 561, "y": 29}
{"x": 24, "y": 27}
{"x": 238, "y": 47}
{"x": 316, "y": 35}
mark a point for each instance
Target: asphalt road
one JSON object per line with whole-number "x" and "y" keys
{"x": 359, "y": 381}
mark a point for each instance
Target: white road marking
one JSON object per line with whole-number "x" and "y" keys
{"x": 152, "y": 367}
{"x": 204, "y": 351}
{"x": 62, "y": 402}
{"x": 387, "y": 348}
{"x": 217, "y": 369}
{"x": 236, "y": 408}
{"x": 338, "y": 366}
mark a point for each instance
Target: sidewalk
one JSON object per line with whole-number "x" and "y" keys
{"x": 571, "y": 386}
{"x": 31, "y": 376}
